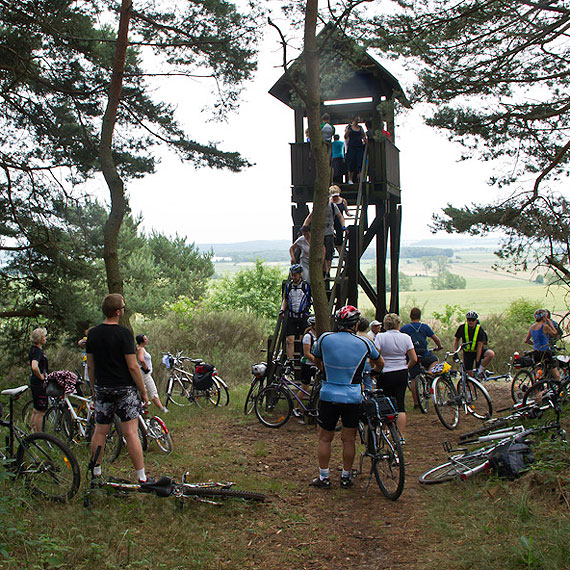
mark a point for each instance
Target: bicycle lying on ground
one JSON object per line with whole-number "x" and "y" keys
{"x": 167, "y": 487}
{"x": 47, "y": 465}
{"x": 467, "y": 463}
{"x": 469, "y": 394}
{"x": 274, "y": 403}
{"x": 381, "y": 440}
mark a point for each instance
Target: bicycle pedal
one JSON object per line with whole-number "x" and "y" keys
{"x": 447, "y": 447}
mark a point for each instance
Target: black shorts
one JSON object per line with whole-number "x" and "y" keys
{"x": 330, "y": 412}
{"x": 296, "y": 326}
{"x": 546, "y": 357}
{"x": 307, "y": 373}
{"x": 426, "y": 360}
{"x": 329, "y": 247}
{"x": 469, "y": 359}
{"x": 394, "y": 385}
{"x": 39, "y": 395}
{"x": 121, "y": 400}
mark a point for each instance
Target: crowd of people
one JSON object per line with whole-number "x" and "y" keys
{"x": 362, "y": 355}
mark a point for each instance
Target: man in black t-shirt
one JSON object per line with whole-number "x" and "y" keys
{"x": 475, "y": 354}
{"x": 116, "y": 376}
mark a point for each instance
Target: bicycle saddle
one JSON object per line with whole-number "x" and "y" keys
{"x": 14, "y": 392}
{"x": 162, "y": 487}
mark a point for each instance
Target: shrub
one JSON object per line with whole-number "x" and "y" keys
{"x": 522, "y": 311}
{"x": 447, "y": 280}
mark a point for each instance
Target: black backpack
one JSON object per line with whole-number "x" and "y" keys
{"x": 510, "y": 459}
{"x": 203, "y": 376}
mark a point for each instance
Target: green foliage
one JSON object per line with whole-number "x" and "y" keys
{"x": 521, "y": 311}
{"x": 451, "y": 317}
{"x": 256, "y": 291}
{"x": 448, "y": 280}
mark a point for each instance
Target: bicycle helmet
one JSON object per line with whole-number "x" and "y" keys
{"x": 296, "y": 268}
{"x": 311, "y": 321}
{"x": 259, "y": 370}
{"x": 471, "y": 315}
{"x": 347, "y": 317}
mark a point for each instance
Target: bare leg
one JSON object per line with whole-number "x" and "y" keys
{"x": 156, "y": 401}
{"x": 401, "y": 422}
{"x": 290, "y": 346}
{"x": 414, "y": 395}
{"x": 489, "y": 355}
{"x": 324, "y": 447}
{"x": 99, "y": 439}
{"x": 348, "y": 436}
{"x": 130, "y": 433}
{"x": 37, "y": 419}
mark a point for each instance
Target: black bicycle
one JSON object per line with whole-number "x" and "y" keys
{"x": 381, "y": 440}
{"x": 47, "y": 465}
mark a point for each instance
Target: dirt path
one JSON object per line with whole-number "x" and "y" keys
{"x": 313, "y": 528}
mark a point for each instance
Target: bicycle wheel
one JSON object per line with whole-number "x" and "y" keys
{"x": 160, "y": 433}
{"x": 446, "y": 401}
{"x": 522, "y": 381}
{"x": 388, "y": 462}
{"x": 219, "y": 492}
{"x": 478, "y": 400}
{"x": 178, "y": 391}
{"x": 27, "y": 412}
{"x": 273, "y": 406}
{"x": 254, "y": 389}
{"x": 114, "y": 441}
{"x": 549, "y": 394}
{"x": 58, "y": 422}
{"x": 422, "y": 392}
{"x": 141, "y": 429}
{"x": 48, "y": 466}
{"x": 224, "y": 391}
{"x": 460, "y": 467}
{"x": 210, "y": 396}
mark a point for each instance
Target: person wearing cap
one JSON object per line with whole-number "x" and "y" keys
{"x": 296, "y": 304}
{"x": 341, "y": 357}
{"x": 539, "y": 335}
{"x": 473, "y": 339}
{"x": 375, "y": 327}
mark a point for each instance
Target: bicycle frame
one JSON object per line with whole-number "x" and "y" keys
{"x": 285, "y": 382}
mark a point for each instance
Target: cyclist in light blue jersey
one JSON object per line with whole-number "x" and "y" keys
{"x": 341, "y": 357}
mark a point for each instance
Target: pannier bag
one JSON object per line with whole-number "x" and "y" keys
{"x": 203, "y": 379}
{"x": 168, "y": 361}
{"x": 510, "y": 459}
{"x": 378, "y": 407}
{"x": 60, "y": 382}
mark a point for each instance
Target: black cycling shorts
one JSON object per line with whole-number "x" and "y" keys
{"x": 546, "y": 357}
{"x": 121, "y": 400}
{"x": 394, "y": 385}
{"x": 329, "y": 247}
{"x": 426, "y": 360}
{"x": 469, "y": 359}
{"x": 39, "y": 395}
{"x": 296, "y": 326}
{"x": 330, "y": 412}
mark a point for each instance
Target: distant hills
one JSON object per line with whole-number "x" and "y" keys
{"x": 278, "y": 250}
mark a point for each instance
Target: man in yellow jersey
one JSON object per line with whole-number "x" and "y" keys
{"x": 476, "y": 356}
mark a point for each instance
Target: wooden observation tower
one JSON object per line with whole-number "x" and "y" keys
{"x": 353, "y": 83}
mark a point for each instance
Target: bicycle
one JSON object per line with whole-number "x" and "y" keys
{"x": 155, "y": 429}
{"x": 221, "y": 386}
{"x": 258, "y": 372}
{"x": 166, "y": 487}
{"x": 470, "y": 394}
{"x": 381, "y": 440}
{"x": 274, "y": 403}
{"x": 47, "y": 465}
{"x": 528, "y": 373}
{"x": 180, "y": 388}
{"x": 71, "y": 417}
{"x": 423, "y": 382}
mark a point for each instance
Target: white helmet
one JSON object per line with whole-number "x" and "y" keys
{"x": 259, "y": 370}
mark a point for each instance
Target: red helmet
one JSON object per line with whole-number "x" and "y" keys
{"x": 347, "y": 317}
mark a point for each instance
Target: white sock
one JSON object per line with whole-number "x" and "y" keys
{"x": 345, "y": 474}
{"x": 481, "y": 369}
{"x": 323, "y": 474}
{"x": 97, "y": 471}
{"x": 141, "y": 475}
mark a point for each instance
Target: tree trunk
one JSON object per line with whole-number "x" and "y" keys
{"x": 320, "y": 155}
{"x": 114, "y": 182}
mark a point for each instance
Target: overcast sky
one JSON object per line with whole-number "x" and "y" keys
{"x": 211, "y": 206}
